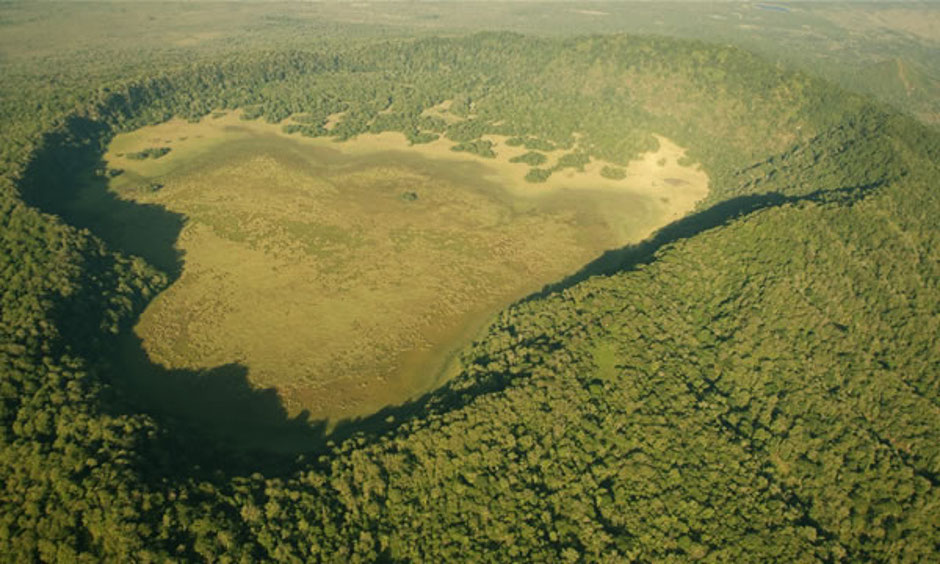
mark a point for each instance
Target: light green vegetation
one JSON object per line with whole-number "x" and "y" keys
{"x": 304, "y": 262}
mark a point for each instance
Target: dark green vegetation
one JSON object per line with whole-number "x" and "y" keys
{"x": 757, "y": 381}
{"x": 536, "y": 175}
{"x": 531, "y": 143}
{"x": 613, "y": 172}
{"x": 480, "y": 147}
{"x": 572, "y": 160}
{"x": 150, "y": 153}
{"x": 531, "y": 158}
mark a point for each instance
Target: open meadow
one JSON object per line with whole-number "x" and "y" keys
{"x": 344, "y": 275}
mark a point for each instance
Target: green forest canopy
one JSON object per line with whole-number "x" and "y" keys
{"x": 755, "y": 382}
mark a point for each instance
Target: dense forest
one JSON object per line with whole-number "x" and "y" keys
{"x": 757, "y": 381}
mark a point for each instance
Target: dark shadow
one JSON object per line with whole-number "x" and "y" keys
{"x": 722, "y": 213}
{"x": 67, "y": 177}
{"x": 209, "y": 421}
{"x": 214, "y": 421}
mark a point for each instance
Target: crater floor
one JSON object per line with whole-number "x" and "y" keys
{"x": 344, "y": 275}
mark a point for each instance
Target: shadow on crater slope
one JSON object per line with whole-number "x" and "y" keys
{"x": 644, "y": 252}
{"x": 215, "y": 418}
{"x": 217, "y": 404}
{"x": 67, "y": 177}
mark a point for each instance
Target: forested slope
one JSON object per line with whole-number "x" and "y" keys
{"x": 757, "y": 381}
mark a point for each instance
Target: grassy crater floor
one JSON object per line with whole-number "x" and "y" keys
{"x": 344, "y": 275}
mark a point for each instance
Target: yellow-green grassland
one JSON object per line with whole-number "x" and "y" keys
{"x": 343, "y": 275}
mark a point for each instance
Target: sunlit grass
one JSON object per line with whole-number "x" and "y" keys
{"x": 306, "y": 262}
